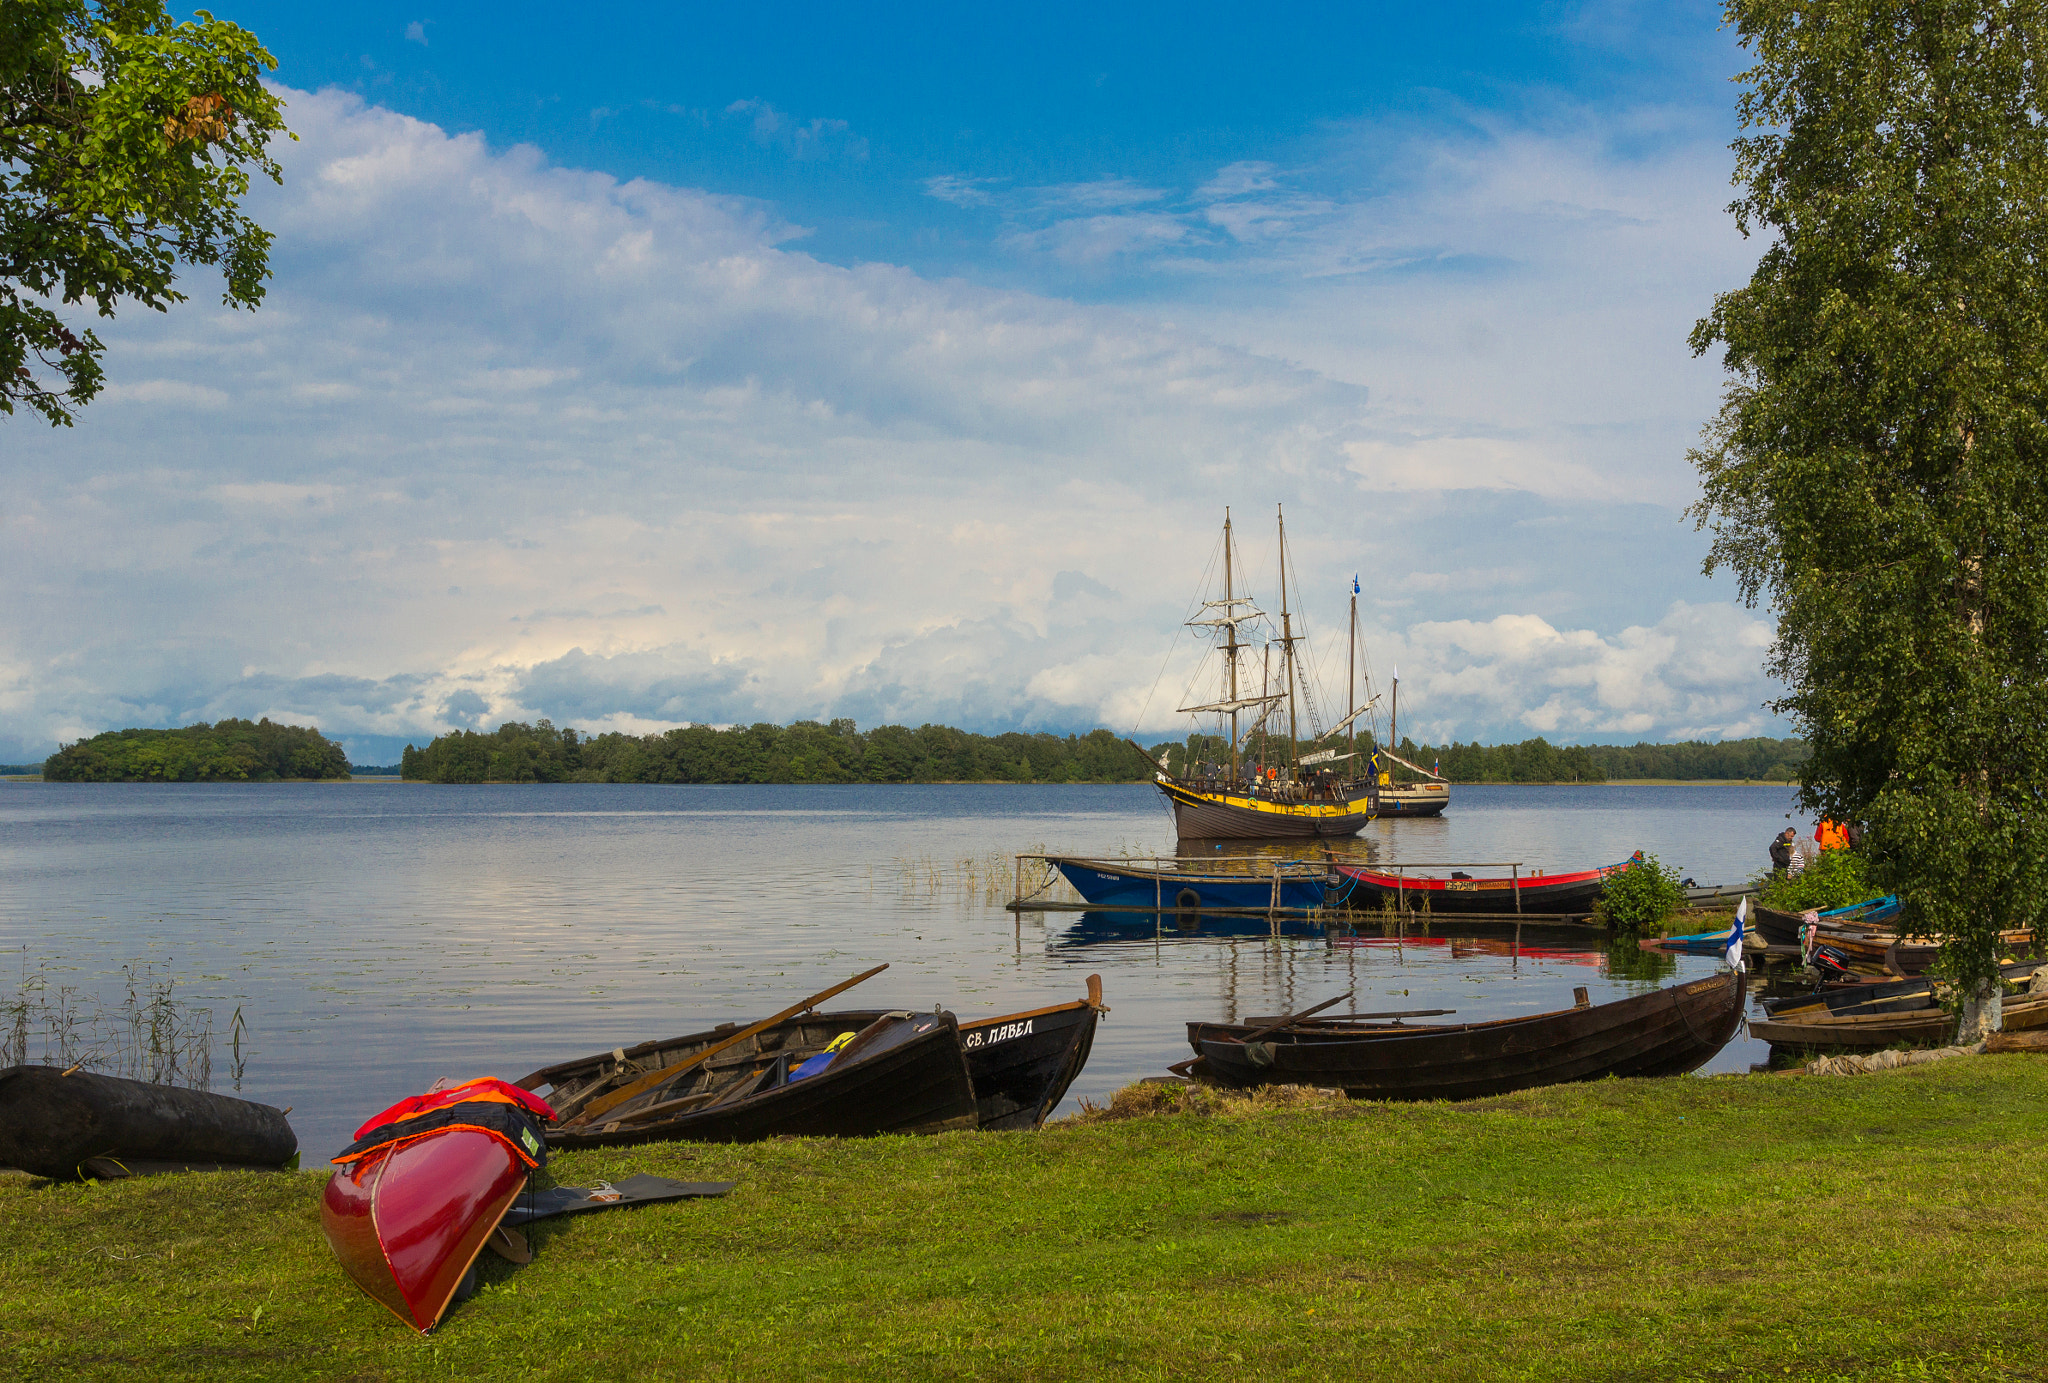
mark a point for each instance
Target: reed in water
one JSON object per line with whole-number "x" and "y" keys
{"x": 147, "y": 1033}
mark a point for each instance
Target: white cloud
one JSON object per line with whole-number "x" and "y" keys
{"x": 1097, "y": 194}
{"x": 515, "y": 439}
{"x": 1695, "y": 673}
{"x": 416, "y": 32}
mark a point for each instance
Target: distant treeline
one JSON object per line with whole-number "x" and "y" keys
{"x": 1539, "y": 761}
{"x": 806, "y": 752}
{"x": 810, "y": 752}
{"x": 237, "y": 751}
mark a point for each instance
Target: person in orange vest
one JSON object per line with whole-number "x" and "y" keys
{"x": 1831, "y": 835}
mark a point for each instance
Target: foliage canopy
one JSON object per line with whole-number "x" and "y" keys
{"x": 1835, "y": 880}
{"x": 227, "y": 751}
{"x": 1880, "y": 469}
{"x": 126, "y": 142}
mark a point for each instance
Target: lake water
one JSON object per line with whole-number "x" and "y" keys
{"x": 377, "y": 936}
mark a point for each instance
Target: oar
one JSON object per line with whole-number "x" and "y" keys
{"x": 1291, "y": 1019}
{"x": 669, "y": 1073}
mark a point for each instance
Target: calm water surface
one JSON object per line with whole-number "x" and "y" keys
{"x": 379, "y": 935}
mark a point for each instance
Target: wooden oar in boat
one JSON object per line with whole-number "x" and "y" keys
{"x": 1291, "y": 1019}
{"x": 1181, "y": 1068}
{"x": 665, "y": 1074}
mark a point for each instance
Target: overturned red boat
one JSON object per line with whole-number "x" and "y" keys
{"x": 419, "y": 1192}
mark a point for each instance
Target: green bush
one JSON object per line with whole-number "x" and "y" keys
{"x": 1835, "y": 880}
{"x": 1638, "y": 897}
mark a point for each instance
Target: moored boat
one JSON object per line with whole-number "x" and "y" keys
{"x": 1359, "y": 889}
{"x": 1783, "y": 928}
{"x": 847, "y": 1074}
{"x": 74, "y": 1124}
{"x": 1296, "y": 795}
{"x": 423, "y": 1187}
{"x": 1666, "y": 1032}
{"x": 1023, "y": 1063}
{"x": 1414, "y": 799}
{"x": 1858, "y": 1029}
{"x": 1158, "y": 884}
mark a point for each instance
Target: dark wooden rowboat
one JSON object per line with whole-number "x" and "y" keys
{"x": 1784, "y": 928}
{"x": 1360, "y": 888}
{"x": 83, "y": 1124}
{"x": 1022, "y": 1063}
{"x": 894, "y": 1072}
{"x": 1932, "y": 1026}
{"x": 1665, "y": 1033}
{"x": 1865, "y": 997}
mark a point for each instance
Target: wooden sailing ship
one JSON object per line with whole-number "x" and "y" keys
{"x": 1279, "y": 792}
{"x": 1430, "y": 793}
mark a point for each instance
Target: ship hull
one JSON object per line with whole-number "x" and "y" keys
{"x": 1221, "y": 816}
{"x": 1426, "y": 800}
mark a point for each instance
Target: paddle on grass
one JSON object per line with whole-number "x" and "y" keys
{"x": 598, "y": 1106}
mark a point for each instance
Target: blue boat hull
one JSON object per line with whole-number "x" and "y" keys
{"x": 1144, "y": 889}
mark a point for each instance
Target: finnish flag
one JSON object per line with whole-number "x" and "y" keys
{"x": 1734, "y": 956}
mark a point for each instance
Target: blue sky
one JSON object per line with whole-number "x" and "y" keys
{"x": 669, "y": 364}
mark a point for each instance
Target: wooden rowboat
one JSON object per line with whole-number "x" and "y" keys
{"x": 1932, "y": 1026}
{"x": 78, "y": 1123}
{"x": 422, "y": 1189}
{"x": 846, "y": 1075}
{"x": 1667, "y": 1032}
{"x": 1360, "y": 888}
{"x": 1022, "y": 1063}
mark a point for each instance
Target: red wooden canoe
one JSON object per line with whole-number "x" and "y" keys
{"x": 408, "y": 1215}
{"x": 1368, "y": 888}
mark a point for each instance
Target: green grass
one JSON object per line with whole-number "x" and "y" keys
{"x": 1890, "y": 1225}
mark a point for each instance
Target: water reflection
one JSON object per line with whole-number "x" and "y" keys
{"x": 379, "y": 936}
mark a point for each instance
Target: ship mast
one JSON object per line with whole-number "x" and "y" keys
{"x": 1287, "y": 648}
{"x": 1351, "y": 678}
{"x": 1230, "y": 643}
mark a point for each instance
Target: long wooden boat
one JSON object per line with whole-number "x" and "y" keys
{"x": 1785, "y": 928}
{"x": 1663, "y": 1033}
{"x": 71, "y": 1124}
{"x": 848, "y": 1075}
{"x": 1930, "y": 1026}
{"x": 1361, "y": 889}
{"x": 420, "y": 1191}
{"x": 1160, "y": 884}
{"x": 1023, "y": 1063}
{"x": 1907, "y": 994}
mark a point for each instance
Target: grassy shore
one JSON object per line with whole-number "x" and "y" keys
{"x": 1739, "y": 1227}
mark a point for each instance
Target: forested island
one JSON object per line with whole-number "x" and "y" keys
{"x": 812, "y": 752}
{"x": 227, "y": 751}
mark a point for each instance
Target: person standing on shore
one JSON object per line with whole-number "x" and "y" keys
{"x": 1782, "y": 853}
{"x": 1831, "y": 835}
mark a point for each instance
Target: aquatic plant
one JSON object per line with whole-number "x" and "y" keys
{"x": 149, "y": 1034}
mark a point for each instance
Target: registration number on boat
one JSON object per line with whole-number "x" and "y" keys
{"x": 990, "y": 1036}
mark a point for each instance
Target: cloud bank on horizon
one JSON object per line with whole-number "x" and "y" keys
{"x": 512, "y": 439}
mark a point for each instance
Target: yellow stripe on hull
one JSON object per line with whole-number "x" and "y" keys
{"x": 1203, "y": 815}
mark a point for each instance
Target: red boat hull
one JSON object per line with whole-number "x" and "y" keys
{"x": 408, "y": 1220}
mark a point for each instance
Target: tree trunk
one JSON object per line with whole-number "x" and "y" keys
{"x": 1983, "y": 1012}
